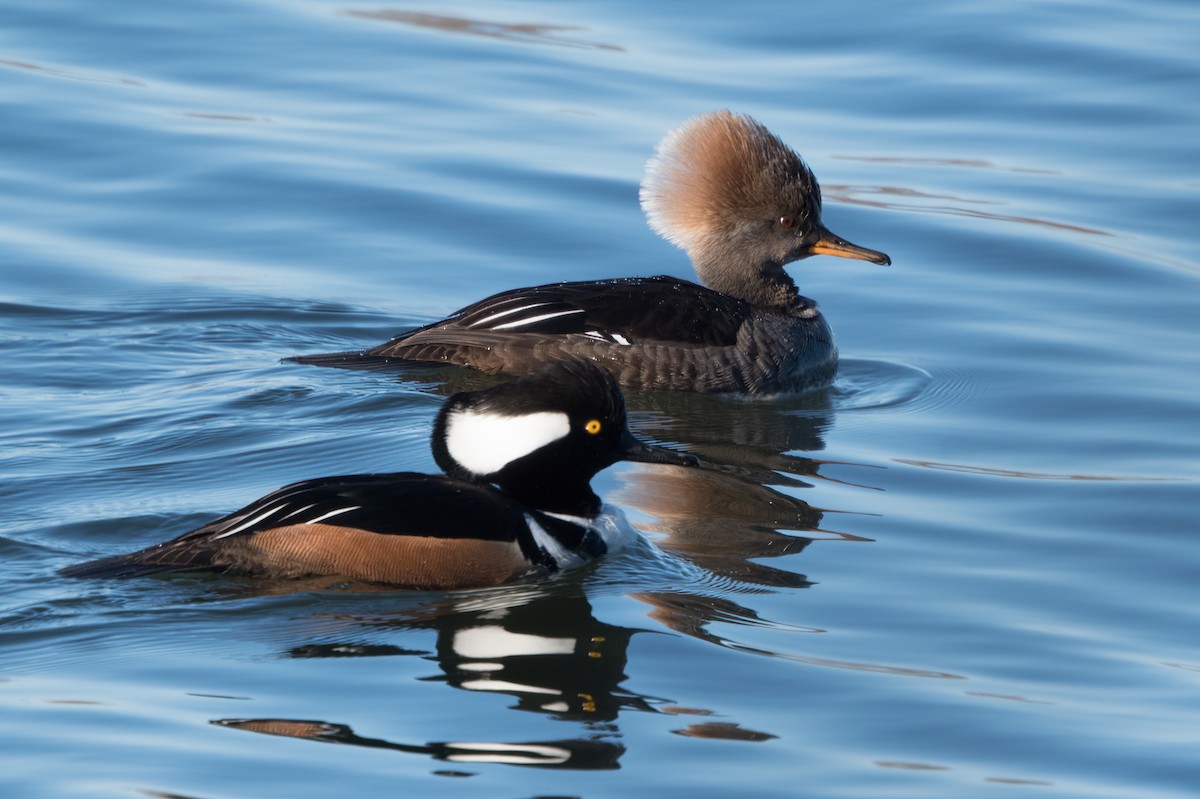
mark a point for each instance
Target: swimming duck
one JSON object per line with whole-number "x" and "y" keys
{"x": 742, "y": 204}
{"x": 515, "y": 499}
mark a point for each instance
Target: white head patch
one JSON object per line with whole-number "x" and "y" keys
{"x": 484, "y": 443}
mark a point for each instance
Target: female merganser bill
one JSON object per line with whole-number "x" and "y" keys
{"x": 742, "y": 204}
{"x": 515, "y": 499}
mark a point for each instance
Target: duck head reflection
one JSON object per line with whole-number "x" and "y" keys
{"x": 739, "y": 506}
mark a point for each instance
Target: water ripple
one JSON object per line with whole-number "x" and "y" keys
{"x": 521, "y": 33}
{"x": 864, "y": 384}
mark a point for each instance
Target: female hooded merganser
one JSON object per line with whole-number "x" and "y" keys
{"x": 515, "y": 499}
{"x": 742, "y": 204}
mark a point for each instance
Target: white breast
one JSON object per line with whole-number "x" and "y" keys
{"x": 610, "y": 525}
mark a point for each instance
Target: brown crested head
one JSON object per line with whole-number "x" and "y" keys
{"x": 717, "y": 171}
{"x": 741, "y": 203}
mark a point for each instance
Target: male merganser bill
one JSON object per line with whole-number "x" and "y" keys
{"x": 742, "y": 204}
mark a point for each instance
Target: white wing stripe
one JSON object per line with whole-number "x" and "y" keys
{"x": 332, "y": 513}
{"x": 534, "y": 319}
{"x": 297, "y": 510}
{"x": 491, "y": 317}
{"x": 255, "y": 520}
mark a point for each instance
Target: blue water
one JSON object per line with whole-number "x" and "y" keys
{"x": 970, "y": 569}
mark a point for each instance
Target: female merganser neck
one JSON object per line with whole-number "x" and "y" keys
{"x": 742, "y": 204}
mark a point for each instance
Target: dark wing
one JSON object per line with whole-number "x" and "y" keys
{"x": 620, "y": 311}
{"x": 405, "y": 503}
{"x": 386, "y": 504}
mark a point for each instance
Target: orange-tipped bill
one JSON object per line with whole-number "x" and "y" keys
{"x": 830, "y": 244}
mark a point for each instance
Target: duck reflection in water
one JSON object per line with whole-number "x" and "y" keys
{"x": 576, "y": 753}
{"x": 547, "y": 651}
{"x": 740, "y": 506}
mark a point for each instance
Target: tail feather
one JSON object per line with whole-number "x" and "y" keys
{"x": 350, "y": 360}
{"x": 158, "y": 559}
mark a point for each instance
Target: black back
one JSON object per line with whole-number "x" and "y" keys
{"x": 636, "y": 309}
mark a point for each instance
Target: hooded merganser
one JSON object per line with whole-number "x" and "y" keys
{"x": 742, "y": 204}
{"x": 515, "y": 499}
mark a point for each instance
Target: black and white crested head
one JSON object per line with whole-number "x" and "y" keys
{"x": 741, "y": 203}
{"x": 543, "y": 437}
{"x": 478, "y": 433}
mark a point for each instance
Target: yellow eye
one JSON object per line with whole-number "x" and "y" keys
{"x": 593, "y": 426}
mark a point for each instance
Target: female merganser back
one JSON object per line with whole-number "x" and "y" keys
{"x": 515, "y": 499}
{"x": 742, "y": 204}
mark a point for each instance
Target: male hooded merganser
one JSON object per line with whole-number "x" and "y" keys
{"x": 515, "y": 499}
{"x": 742, "y": 204}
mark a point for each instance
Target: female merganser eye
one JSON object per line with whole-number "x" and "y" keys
{"x": 593, "y": 426}
{"x": 787, "y": 221}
